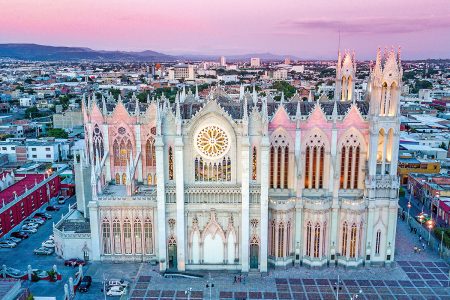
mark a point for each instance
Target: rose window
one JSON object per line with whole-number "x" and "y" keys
{"x": 212, "y": 141}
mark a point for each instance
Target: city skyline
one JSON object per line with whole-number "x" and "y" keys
{"x": 305, "y": 30}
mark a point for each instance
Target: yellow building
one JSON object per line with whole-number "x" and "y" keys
{"x": 407, "y": 165}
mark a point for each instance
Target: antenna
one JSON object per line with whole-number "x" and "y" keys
{"x": 339, "y": 41}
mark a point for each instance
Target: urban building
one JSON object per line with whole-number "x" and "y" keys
{"x": 24, "y": 196}
{"x": 255, "y": 62}
{"x": 182, "y": 71}
{"x": 408, "y": 164}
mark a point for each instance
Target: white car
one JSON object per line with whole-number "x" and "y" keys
{"x": 48, "y": 244}
{"x": 38, "y": 221}
{"x": 115, "y": 290}
{"x": 118, "y": 282}
{"x": 29, "y": 229}
{"x": 14, "y": 239}
{"x": 7, "y": 244}
{"x": 31, "y": 225}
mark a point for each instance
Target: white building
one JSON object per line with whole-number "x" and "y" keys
{"x": 255, "y": 62}
{"x": 182, "y": 71}
{"x": 223, "y": 61}
{"x": 27, "y": 101}
{"x": 241, "y": 183}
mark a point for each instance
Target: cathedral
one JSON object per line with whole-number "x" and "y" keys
{"x": 244, "y": 182}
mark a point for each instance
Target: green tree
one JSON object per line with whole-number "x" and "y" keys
{"x": 32, "y": 112}
{"x": 57, "y": 133}
{"x": 422, "y": 84}
{"x": 114, "y": 92}
{"x": 284, "y": 86}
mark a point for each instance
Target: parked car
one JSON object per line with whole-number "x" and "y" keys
{"x": 13, "y": 272}
{"x": 61, "y": 200}
{"x": 43, "y": 251}
{"x": 48, "y": 244}
{"x": 422, "y": 218}
{"x": 52, "y": 208}
{"x": 118, "y": 282}
{"x": 116, "y": 290}
{"x": 38, "y": 220}
{"x": 74, "y": 262}
{"x": 14, "y": 239}
{"x": 31, "y": 224}
{"x": 43, "y": 215}
{"x": 19, "y": 234}
{"x": 85, "y": 284}
{"x": 7, "y": 244}
{"x": 29, "y": 229}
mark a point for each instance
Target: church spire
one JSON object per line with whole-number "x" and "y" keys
{"x": 105, "y": 111}
{"x": 334, "y": 114}
{"x": 298, "y": 113}
{"x": 310, "y": 96}
{"x": 282, "y": 98}
{"x": 197, "y": 98}
{"x": 254, "y": 95}
{"x": 137, "y": 110}
{"x": 178, "y": 114}
{"x": 241, "y": 92}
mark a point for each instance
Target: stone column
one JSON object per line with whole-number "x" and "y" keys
{"x": 392, "y": 227}
{"x": 95, "y": 234}
{"x": 394, "y": 157}
{"x": 161, "y": 202}
{"x": 179, "y": 181}
{"x": 264, "y": 203}
{"x": 245, "y": 189}
{"x": 373, "y": 149}
{"x": 385, "y": 141}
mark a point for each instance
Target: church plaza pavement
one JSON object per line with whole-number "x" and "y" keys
{"x": 412, "y": 276}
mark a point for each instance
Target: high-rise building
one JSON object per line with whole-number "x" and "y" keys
{"x": 223, "y": 61}
{"x": 255, "y": 62}
{"x": 241, "y": 183}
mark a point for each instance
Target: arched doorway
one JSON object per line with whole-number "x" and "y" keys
{"x": 172, "y": 253}
{"x": 254, "y": 256}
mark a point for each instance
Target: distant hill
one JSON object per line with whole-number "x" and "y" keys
{"x": 241, "y": 57}
{"x": 51, "y": 53}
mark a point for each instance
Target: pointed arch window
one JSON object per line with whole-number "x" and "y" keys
{"x": 288, "y": 238}
{"x": 117, "y": 243}
{"x": 281, "y": 240}
{"x": 307, "y": 183}
{"x": 149, "y": 179}
{"x": 314, "y": 166}
{"x": 170, "y": 163}
{"x": 137, "y": 236}
{"x": 353, "y": 241}
{"x": 116, "y": 151}
{"x": 342, "y": 179}
{"x": 254, "y": 163}
{"x": 124, "y": 179}
{"x": 286, "y": 167}
{"x": 272, "y": 163}
{"x": 378, "y": 242}
{"x": 349, "y": 167}
{"x": 148, "y": 236}
{"x": 360, "y": 239}
{"x": 279, "y": 163}
{"x": 117, "y": 178}
{"x": 321, "y": 166}
{"x": 106, "y": 235}
{"x": 150, "y": 159}
{"x": 344, "y": 239}
{"x": 127, "y": 236}
{"x": 356, "y": 175}
{"x": 317, "y": 240}
{"x": 97, "y": 141}
{"x": 308, "y": 239}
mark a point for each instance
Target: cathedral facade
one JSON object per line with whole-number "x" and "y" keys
{"x": 244, "y": 182}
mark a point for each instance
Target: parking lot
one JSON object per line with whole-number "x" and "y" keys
{"x": 22, "y": 255}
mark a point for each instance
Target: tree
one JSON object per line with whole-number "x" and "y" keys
{"x": 57, "y": 133}
{"x": 283, "y": 86}
{"x": 422, "y": 84}
{"x": 114, "y": 92}
{"x": 32, "y": 112}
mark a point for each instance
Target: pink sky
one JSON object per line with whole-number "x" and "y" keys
{"x": 307, "y": 29}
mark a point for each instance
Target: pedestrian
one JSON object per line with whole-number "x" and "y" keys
{"x": 423, "y": 246}
{"x": 420, "y": 238}
{"x": 235, "y": 279}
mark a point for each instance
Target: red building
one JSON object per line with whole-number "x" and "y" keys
{"x": 24, "y": 197}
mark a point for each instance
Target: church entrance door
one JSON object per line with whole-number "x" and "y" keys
{"x": 254, "y": 250}
{"x": 172, "y": 256}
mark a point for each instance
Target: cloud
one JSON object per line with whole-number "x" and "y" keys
{"x": 380, "y": 25}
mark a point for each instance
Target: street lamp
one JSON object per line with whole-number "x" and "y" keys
{"x": 409, "y": 207}
{"x": 430, "y": 226}
{"x": 337, "y": 287}
{"x": 210, "y": 285}
{"x": 188, "y": 293}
